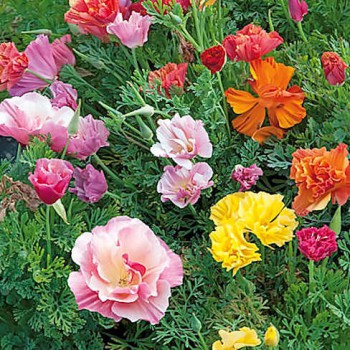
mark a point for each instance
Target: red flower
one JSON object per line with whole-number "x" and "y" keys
{"x": 170, "y": 76}
{"x": 92, "y": 16}
{"x": 317, "y": 243}
{"x": 297, "y": 9}
{"x": 334, "y": 68}
{"x": 51, "y": 179}
{"x": 214, "y": 58}
{"x": 250, "y": 43}
{"x": 12, "y": 65}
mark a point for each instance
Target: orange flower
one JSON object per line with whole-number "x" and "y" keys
{"x": 92, "y": 16}
{"x": 320, "y": 176}
{"x": 269, "y": 81}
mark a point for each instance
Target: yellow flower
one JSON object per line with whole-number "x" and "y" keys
{"x": 266, "y": 216}
{"x": 227, "y": 208}
{"x": 236, "y": 340}
{"x": 261, "y": 213}
{"x": 272, "y": 336}
{"x": 231, "y": 248}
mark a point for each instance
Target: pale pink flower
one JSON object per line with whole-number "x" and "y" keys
{"x": 247, "y": 177}
{"x": 63, "y": 95}
{"x": 90, "y": 184}
{"x": 32, "y": 114}
{"x": 182, "y": 138}
{"x": 126, "y": 271}
{"x": 182, "y": 186}
{"x": 132, "y": 32}
{"x": 91, "y": 136}
{"x": 44, "y": 59}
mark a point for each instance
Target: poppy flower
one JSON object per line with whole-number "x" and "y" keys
{"x": 214, "y": 58}
{"x": 334, "y": 68}
{"x": 250, "y": 43}
{"x": 320, "y": 176}
{"x": 297, "y": 9}
{"x": 269, "y": 81}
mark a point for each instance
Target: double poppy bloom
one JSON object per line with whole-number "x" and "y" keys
{"x": 334, "y": 68}
{"x": 320, "y": 176}
{"x": 284, "y": 105}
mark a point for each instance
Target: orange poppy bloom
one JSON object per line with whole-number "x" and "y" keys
{"x": 320, "y": 176}
{"x": 269, "y": 81}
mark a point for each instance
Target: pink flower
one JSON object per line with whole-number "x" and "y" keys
{"x": 90, "y": 184}
{"x": 250, "y": 43}
{"x": 91, "y": 136}
{"x": 63, "y": 95}
{"x": 44, "y": 59}
{"x": 126, "y": 271}
{"x": 334, "y": 68}
{"x": 182, "y": 186}
{"x": 12, "y": 65}
{"x": 247, "y": 177}
{"x": 51, "y": 179}
{"x": 182, "y": 138}
{"x": 317, "y": 243}
{"x": 297, "y": 9}
{"x": 32, "y": 114}
{"x": 132, "y": 32}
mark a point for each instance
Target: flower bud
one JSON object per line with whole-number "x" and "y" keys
{"x": 272, "y": 336}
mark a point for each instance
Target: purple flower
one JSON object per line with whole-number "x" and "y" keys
{"x": 247, "y": 177}
{"x": 91, "y": 136}
{"x": 90, "y": 184}
{"x": 297, "y": 9}
{"x": 183, "y": 186}
{"x": 63, "y": 95}
{"x": 182, "y": 138}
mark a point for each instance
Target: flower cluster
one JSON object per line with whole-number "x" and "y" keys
{"x": 182, "y": 139}
{"x": 240, "y": 214}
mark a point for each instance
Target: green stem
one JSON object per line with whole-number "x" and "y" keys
{"x": 134, "y": 59}
{"x": 48, "y": 81}
{"x": 19, "y": 149}
{"x": 272, "y": 28}
{"x": 220, "y": 24}
{"x": 224, "y": 103}
{"x": 166, "y": 115}
{"x": 115, "y": 177}
{"x": 48, "y": 235}
{"x": 311, "y": 289}
{"x": 302, "y": 34}
{"x": 189, "y": 38}
{"x": 205, "y": 347}
{"x": 64, "y": 152}
{"x": 196, "y": 23}
{"x": 193, "y": 210}
{"x": 290, "y": 261}
{"x": 112, "y": 195}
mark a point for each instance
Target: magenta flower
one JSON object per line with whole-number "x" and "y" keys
{"x": 51, "y": 179}
{"x": 90, "y": 184}
{"x": 247, "y": 177}
{"x": 182, "y": 186}
{"x": 132, "y": 32}
{"x": 91, "y": 136}
{"x": 317, "y": 243}
{"x": 182, "y": 138}
{"x": 32, "y": 114}
{"x": 297, "y": 9}
{"x": 44, "y": 59}
{"x": 126, "y": 271}
{"x": 63, "y": 95}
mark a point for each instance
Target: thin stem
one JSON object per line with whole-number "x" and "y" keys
{"x": 196, "y": 23}
{"x": 302, "y": 34}
{"x": 166, "y": 115}
{"x": 112, "y": 195}
{"x": 205, "y": 347}
{"x": 272, "y": 28}
{"x": 290, "y": 260}
{"x": 115, "y": 177}
{"x": 189, "y": 38}
{"x": 48, "y": 81}
{"x": 220, "y": 25}
{"x": 193, "y": 210}
{"x": 134, "y": 59}
{"x": 311, "y": 289}
{"x": 224, "y": 103}
{"x": 48, "y": 235}
{"x": 19, "y": 149}
{"x": 64, "y": 152}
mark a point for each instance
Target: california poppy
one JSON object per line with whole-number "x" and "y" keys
{"x": 334, "y": 68}
{"x": 269, "y": 81}
{"x": 214, "y": 58}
